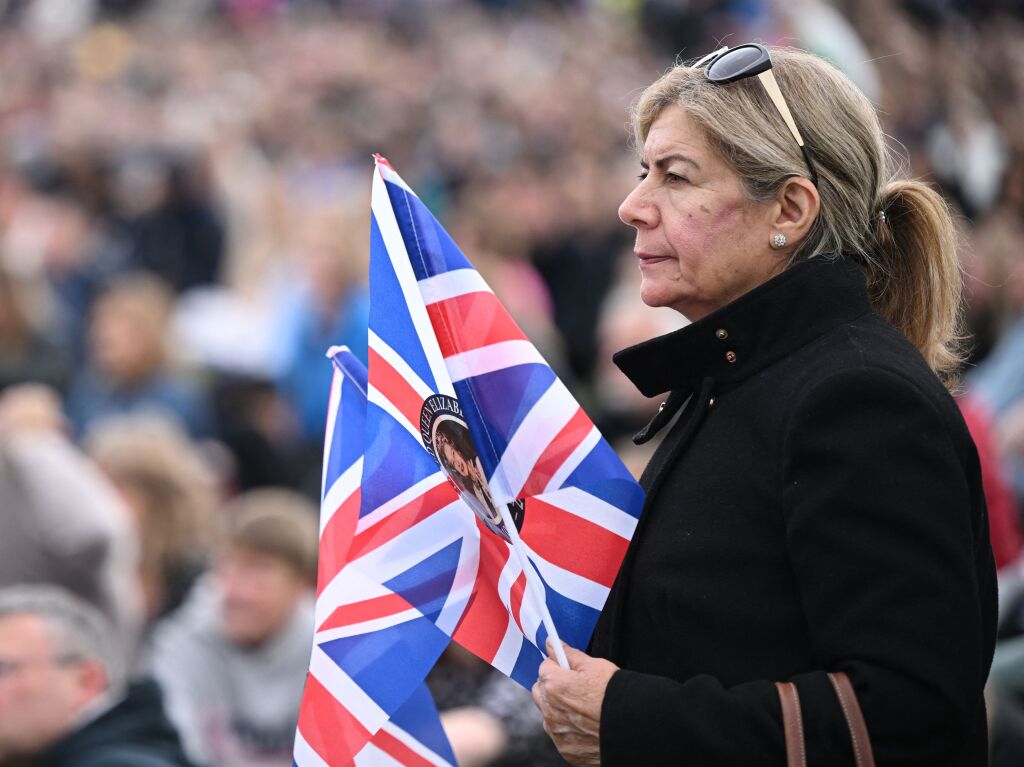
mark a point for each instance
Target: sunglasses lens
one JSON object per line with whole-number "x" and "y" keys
{"x": 734, "y": 62}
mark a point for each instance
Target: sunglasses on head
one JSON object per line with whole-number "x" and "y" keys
{"x": 727, "y": 65}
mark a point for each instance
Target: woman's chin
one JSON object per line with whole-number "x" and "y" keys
{"x": 650, "y": 294}
{"x": 655, "y": 295}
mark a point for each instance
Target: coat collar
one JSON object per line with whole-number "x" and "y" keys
{"x": 757, "y": 329}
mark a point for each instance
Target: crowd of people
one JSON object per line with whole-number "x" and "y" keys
{"x": 184, "y": 216}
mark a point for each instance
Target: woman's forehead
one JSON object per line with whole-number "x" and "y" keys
{"x": 674, "y": 132}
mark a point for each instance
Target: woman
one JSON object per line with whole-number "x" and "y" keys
{"x": 816, "y": 506}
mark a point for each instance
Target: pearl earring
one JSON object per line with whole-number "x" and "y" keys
{"x": 778, "y": 240}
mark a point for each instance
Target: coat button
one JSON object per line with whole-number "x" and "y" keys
{"x": 730, "y": 357}
{"x": 721, "y": 334}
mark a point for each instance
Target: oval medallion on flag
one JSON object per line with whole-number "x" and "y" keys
{"x": 446, "y": 437}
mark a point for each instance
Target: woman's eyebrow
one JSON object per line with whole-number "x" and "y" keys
{"x": 662, "y": 162}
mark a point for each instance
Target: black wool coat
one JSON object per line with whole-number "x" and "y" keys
{"x": 816, "y": 506}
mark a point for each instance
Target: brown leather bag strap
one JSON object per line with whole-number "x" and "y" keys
{"x": 792, "y": 724}
{"x": 862, "y": 753}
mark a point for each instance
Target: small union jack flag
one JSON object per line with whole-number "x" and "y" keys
{"x": 335, "y": 721}
{"x": 486, "y": 507}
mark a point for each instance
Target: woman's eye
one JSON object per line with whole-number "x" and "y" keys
{"x": 670, "y": 178}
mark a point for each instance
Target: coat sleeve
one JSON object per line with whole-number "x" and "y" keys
{"x": 886, "y": 535}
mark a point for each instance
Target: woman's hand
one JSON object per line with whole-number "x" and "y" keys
{"x": 570, "y": 700}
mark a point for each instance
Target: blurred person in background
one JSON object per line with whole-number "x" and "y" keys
{"x": 65, "y": 697}
{"x": 623, "y": 410}
{"x": 998, "y": 381}
{"x": 128, "y": 370}
{"x": 326, "y": 302}
{"x": 258, "y": 427}
{"x": 233, "y": 660}
{"x": 57, "y": 236}
{"x": 996, "y": 389}
{"x": 27, "y": 352}
{"x": 61, "y": 520}
{"x": 166, "y": 218}
{"x": 1003, "y": 513}
{"x": 487, "y": 717}
{"x": 624, "y": 321}
{"x": 172, "y": 496}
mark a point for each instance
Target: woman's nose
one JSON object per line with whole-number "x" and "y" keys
{"x": 636, "y": 210}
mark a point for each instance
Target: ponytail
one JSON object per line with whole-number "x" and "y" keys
{"x": 914, "y": 276}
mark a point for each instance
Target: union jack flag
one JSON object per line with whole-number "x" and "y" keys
{"x": 329, "y": 731}
{"x": 486, "y": 502}
{"x": 442, "y": 346}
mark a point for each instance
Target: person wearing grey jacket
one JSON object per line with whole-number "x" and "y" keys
{"x": 61, "y": 521}
{"x": 232, "y": 660}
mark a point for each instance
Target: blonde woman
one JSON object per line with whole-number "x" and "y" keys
{"x": 811, "y": 579}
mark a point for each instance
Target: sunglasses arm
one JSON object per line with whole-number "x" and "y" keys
{"x": 767, "y": 79}
{"x": 770, "y": 84}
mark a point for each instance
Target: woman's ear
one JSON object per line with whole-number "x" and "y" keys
{"x": 796, "y": 206}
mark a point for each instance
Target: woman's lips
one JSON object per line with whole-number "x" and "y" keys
{"x": 649, "y": 259}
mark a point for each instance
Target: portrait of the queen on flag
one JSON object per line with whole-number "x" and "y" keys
{"x": 466, "y": 497}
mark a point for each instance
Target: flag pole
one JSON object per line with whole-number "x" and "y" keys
{"x": 532, "y": 586}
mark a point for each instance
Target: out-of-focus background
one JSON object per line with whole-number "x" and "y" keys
{"x": 184, "y": 212}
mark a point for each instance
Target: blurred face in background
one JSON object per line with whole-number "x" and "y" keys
{"x": 41, "y": 694}
{"x": 330, "y": 247}
{"x": 126, "y": 339}
{"x": 259, "y": 593}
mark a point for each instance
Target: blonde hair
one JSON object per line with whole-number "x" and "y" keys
{"x": 175, "y": 492}
{"x": 908, "y": 254}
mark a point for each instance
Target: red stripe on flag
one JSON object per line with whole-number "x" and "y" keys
{"x": 396, "y": 389}
{"x": 367, "y": 610}
{"x": 400, "y": 520}
{"x": 483, "y": 624}
{"x": 572, "y": 543}
{"x": 515, "y": 600}
{"x": 556, "y": 453}
{"x": 336, "y": 539}
{"x": 396, "y": 749}
{"x": 328, "y": 727}
{"x": 471, "y": 321}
